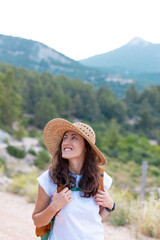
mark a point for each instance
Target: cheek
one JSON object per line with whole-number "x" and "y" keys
{"x": 62, "y": 144}
{"x": 82, "y": 148}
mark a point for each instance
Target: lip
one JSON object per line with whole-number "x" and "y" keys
{"x": 67, "y": 149}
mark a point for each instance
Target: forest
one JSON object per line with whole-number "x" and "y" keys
{"x": 123, "y": 126}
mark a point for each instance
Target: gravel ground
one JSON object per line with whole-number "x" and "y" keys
{"x": 16, "y": 221}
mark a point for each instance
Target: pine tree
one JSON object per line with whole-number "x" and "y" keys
{"x": 10, "y": 100}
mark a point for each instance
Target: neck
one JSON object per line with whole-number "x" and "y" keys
{"x": 75, "y": 167}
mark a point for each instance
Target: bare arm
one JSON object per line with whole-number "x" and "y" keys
{"x": 103, "y": 212}
{"x": 44, "y": 211}
{"x": 103, "y": 199}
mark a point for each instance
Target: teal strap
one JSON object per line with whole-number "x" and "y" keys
{"x": 75, "y": 189}
{"x": 47, "y": 235}
{"x": 52, "y": 223}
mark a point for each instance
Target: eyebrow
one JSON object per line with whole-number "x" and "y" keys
{"x": 71, "y": 134}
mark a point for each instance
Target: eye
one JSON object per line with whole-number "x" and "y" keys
{"x": 74, "y": 137}
{"x": 64, "y": 138}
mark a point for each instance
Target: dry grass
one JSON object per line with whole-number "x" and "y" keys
{"x": 25, "y": 184}
{"x": 146, "y": 216}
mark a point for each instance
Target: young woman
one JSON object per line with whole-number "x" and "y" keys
{"x": 75, "y": 165}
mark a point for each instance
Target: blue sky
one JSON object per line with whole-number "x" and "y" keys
{"x": 81, "y": 28}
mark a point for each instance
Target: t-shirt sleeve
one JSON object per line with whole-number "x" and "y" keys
{"x": 107, "y": 181}
{"x": 46, "y": 183}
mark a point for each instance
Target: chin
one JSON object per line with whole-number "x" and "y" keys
{"x": 66, "y": 156}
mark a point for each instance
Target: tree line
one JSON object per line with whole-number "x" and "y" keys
{"x": 44, "y": 96}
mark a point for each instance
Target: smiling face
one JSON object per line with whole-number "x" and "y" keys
{"x": 73, "y": 146}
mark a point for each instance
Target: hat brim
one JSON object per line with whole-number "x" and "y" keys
{"x": 53, "y": 134}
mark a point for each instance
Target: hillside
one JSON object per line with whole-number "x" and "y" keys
{"x": 36, "y": 56}
{"x": 136, "y": 56}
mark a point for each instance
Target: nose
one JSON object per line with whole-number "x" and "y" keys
{"x": 66, "y": 141}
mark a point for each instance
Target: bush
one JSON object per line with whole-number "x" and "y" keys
{"x": 31, "y": 193}
{"x": 41, "y": 141}
{"x": 33, "y": 133}
{"x": 18, "y": 185}
{"x": 153, "y": 171}
{"x": 16, "y": 152}
{"x": 42, "y": 159}
{"x": 20, "y": 133}
{"x": 31, "y": 151}
{"x": 3, "y": 166}
{"x": 6, "y": 140}
{"x": 121, "y": 215}
{"x": 25, "y": 184}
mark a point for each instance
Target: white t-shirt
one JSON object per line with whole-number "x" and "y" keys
{"x": 80, "y": 219}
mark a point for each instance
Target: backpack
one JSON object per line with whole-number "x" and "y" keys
{"x": 44, "y": 231}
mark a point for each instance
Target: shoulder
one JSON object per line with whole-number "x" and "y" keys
{"x": 107, "y": 181}
{"x": 46, "y": 182}
{"x": 44, "y": 177}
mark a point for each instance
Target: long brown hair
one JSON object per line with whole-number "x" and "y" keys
{"x": 89, "y": 182}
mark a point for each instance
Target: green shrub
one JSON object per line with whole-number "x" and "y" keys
{"x": 41, "y": 141}
{"x": 33, "y": 133}
{"x": 153, "y": 171}
{"x": 42, "y": 159}
{"x": 16, "y": 152}
{"x": 20, "y": 133}
{"x": 31, "y": 193}
{"x": 31, "y": 151}
{"x": 25, "y": 184}
{"x": 6, "y": 140}
{"x": 121, "y": 215}
{"x": 7, "y": 128}
{"x": 3, "y": 166}
{"x": 18, "y": 185}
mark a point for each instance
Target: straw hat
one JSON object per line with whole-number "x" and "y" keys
{"x": 55, "y": 129}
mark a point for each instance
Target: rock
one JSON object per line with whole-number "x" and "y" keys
{"x": 4, "y": 135}
{"x": 29, "y": 159}
{"x": 4, "y": 181}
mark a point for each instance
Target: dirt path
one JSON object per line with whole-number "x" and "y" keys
{"x": 15, "y": 218}
{"x": 16, "y": 221}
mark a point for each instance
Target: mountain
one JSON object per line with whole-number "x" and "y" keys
{"x": 136, "y": 56}
{"x": 109, "y": 68}
{"x": 36, "y": 56}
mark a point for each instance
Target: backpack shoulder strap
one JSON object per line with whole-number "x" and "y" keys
{"x": 101, "y": 174}
{"x": 44, "y": 231}
{"x": 60, "y": 188}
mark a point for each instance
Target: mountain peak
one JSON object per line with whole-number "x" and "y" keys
{"x": 138, "y": 41}
{"x": 137, "y": 55}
